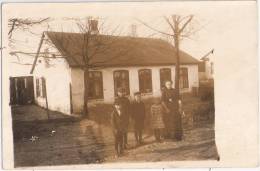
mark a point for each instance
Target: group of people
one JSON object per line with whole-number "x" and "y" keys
{"x": 165, "y": 118}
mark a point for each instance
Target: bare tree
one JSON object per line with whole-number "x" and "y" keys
{"x": 24, "y": 24}
{"x": 178, "y": 30}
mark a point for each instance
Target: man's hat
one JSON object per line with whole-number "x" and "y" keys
{"x": 137, "y": 93}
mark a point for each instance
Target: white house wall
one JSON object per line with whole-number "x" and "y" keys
{"x": 58, "y": 80}
{"x": 77, "y": 87}
{"x": 77, "y": 77}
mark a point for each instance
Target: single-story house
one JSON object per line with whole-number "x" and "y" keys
{"x": 134, "y": 63}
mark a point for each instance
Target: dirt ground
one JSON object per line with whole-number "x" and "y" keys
{"x": 83, "y": 141}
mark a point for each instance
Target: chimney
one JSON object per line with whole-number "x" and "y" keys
{"x": 93, "y": 26}
{"x": 133, "y": 30}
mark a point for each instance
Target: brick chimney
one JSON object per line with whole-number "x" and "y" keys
{"x": 133, "y": 30}
{"x": 93, "y": 26}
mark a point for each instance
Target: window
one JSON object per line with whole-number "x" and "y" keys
{"x": 121, "y": 80}
{"x": 145, "y": 80}
{"x": 184, "y": 81}
{"x": 43, "y": 87}
{"x": 95, "y": 89}
{"x": 40, "y": 87}
{"x": 165, "y": 75}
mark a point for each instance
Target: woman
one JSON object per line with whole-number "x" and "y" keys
{"x": 172, "y": 116}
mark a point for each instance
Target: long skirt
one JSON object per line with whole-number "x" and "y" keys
{"x": 173, "y": 125}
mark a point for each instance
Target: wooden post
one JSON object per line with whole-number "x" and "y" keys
{"x": 46, "y": 97}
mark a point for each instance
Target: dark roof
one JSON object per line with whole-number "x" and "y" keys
{"x": 107, "y": 51}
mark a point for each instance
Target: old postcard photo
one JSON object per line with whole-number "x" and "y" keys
{"x": 124, "y": 84}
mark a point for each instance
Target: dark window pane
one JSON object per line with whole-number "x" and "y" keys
{"x": 165, "y": 75}
{"x": 43, "y": 87}
{"x": 184, "y": 81}
{"x": 37, "y": 87}
{"x": 145, "y": 80}
{"x": 95, "y": 87}
{"x": 121, "y": 80}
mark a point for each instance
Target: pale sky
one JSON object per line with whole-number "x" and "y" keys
{"x": 219, "y": 23}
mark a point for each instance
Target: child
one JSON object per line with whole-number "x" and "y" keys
{"x": 138, "y": 116}
{"x": 125, "y": 106}
{"x": 157, "y": 119}
{"x": 117, "y": 123}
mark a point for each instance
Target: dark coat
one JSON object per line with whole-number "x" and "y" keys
{"x": 125, "y": 103}
{"x": 172, "y": 119}
{"x": 169, "y": 99}
{"x": 117, "y": 122}
{"x": 138, "y": 114}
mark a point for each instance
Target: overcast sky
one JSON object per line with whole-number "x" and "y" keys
{"x": 228, "y": 27}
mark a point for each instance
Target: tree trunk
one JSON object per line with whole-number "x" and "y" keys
{"x": 85, "y": 106}
{"x": 178, "y": 123}
{"x": 177, "y": 67}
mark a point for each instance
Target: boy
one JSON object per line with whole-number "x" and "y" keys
{"x": 117, "y": 127}
{"x": 157, "y": 119}
{"x": 138, "y": 116}
{"x": 125, "y": 104}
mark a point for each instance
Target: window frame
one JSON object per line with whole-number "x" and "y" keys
{"x": 38, "y": 93}
{"x": 128, "y": 81}
{"x": 141, "y": 88}
{"x": 101, "y": 85}
{"x": 186, "y": 79}
{"x": 162, "y": 85}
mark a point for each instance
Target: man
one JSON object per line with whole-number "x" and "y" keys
{"x": 124, "y": 101}
{"x": 172, "y": 117}
{"x": 138, "y": 116}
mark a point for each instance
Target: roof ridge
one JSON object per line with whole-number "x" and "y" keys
{"x": 119, "y": 36}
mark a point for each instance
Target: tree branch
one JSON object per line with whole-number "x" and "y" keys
{"x": 154, "y": 28}
{"x": 185, "y": 24}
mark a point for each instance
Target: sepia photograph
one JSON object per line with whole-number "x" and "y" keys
{"x": 114, "y": 82}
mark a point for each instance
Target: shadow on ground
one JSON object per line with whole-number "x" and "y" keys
{"x": 65, "y": 141}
